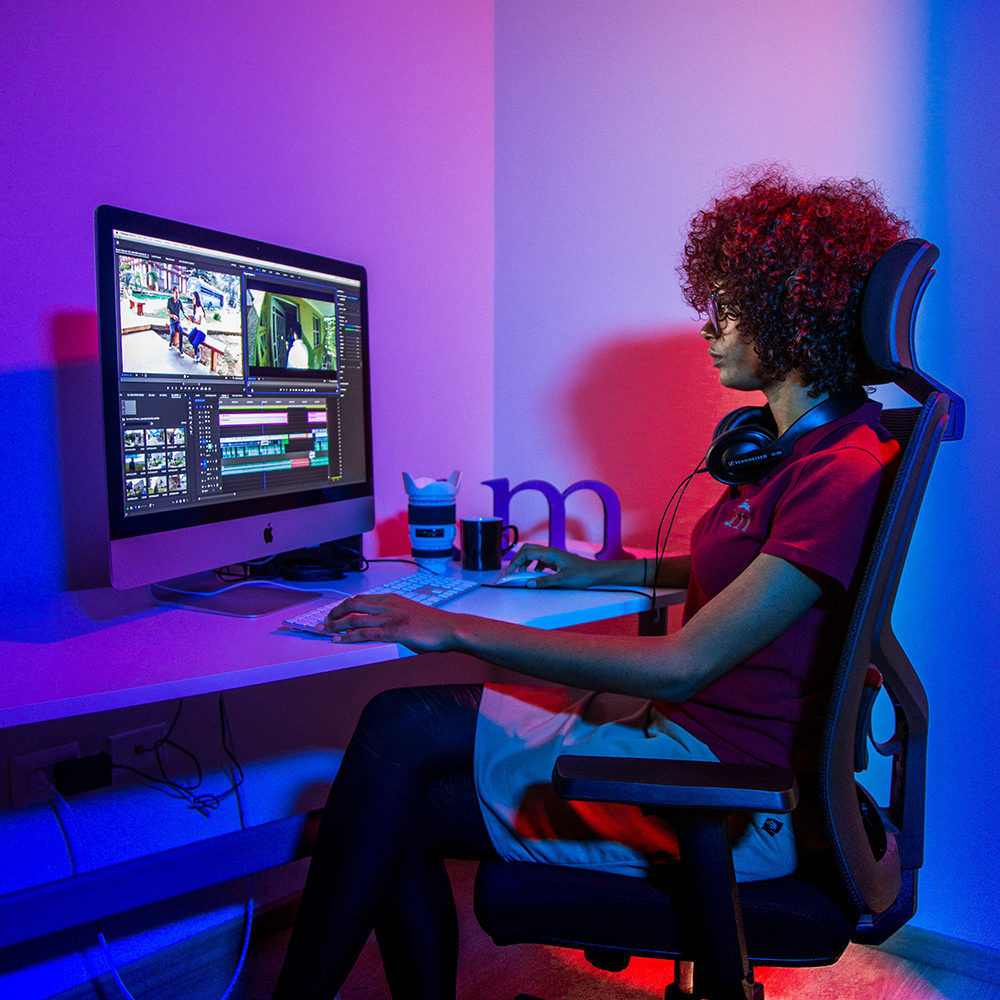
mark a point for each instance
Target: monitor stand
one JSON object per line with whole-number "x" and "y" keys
{"x": 205, "y": 592}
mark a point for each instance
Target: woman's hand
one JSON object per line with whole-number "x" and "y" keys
{"x": 391, "y": 618}
{"x": 571, "y": 570}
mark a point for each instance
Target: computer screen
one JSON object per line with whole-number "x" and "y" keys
{"x": 237, "y": 420}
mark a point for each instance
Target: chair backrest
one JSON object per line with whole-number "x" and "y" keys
{"x": 878, "y": 848}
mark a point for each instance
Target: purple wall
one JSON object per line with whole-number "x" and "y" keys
{"x": 357, "y": 130}
{"x": 361, "y": 131}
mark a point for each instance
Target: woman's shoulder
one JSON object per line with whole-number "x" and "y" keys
{"x": 847, "y": 457}
{"x": 851, "y": 437}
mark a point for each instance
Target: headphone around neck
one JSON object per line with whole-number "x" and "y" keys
{"x": 746, "y": 445}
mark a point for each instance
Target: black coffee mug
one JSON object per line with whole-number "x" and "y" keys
{"x": 483, "y": 542}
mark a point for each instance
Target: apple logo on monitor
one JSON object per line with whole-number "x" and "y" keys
{"x": 268, "y": 535}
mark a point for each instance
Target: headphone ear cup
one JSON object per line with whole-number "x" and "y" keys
{"x": 732, "y": 444}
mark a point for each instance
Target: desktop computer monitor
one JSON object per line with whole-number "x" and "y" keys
{"x": 237, "y": 421}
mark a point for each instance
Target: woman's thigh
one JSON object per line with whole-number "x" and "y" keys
{"x": 451, "y": 822}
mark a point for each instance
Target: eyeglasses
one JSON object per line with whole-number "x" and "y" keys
{"x": 718, "y": 312}
{"x": 714, "y": 312}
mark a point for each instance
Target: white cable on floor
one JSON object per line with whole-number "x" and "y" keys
{"x": 80, "y": 861}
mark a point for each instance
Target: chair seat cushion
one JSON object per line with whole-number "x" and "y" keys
{"x": 787, "y": 921}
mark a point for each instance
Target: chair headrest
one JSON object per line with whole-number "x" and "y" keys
{"x": 889, "y": 306}
{"x": 889, "y": 310}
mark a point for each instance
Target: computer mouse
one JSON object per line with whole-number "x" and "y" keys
{"x": 521, "y": 578}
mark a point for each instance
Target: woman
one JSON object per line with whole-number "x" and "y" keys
{"x": 463, "y": 772}
{"x": 197, "y": 332}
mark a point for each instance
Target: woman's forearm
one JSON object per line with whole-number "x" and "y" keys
{"x": 763, "y": 601}
{"x": 675, "y": 571}
{"x": 651, "y": 667}
{"x": 751, "y": 612}
{"x": 572, "y": 570}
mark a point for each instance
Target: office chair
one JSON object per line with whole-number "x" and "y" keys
{"x": 865, "y": 886}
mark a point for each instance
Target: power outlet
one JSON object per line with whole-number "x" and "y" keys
{"x": 136, "y": 748}
{"x": 31, "y": 774}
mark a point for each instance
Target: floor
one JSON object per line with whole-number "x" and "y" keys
{"x": 200, "y": 970}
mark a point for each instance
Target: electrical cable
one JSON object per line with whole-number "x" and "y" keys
{"x": 242, "y": 582}
{"x": 600, "y": 587}
{"x": 203, "y": 803}
{"x": 399, "y": 559}
{"x": 334, "y": 568}
{"x": 264, "y": 571}
{"x": 660, "y": 552}
{"x": 325, "y": 561}
{"x": 80, "y": 861}
{"x": 251, "y": 571}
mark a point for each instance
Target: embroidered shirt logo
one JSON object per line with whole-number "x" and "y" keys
{"x": 740, "y": 518}
{"x": 771, "y": 826}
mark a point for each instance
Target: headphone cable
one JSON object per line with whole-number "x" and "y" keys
{"x": 661, "y": 551}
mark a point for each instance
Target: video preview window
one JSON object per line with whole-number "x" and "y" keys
{"x": 177, "y": 319}
{"x": 288, "y": 335}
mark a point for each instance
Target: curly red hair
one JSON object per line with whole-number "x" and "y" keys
{"x": 789, "y": 261}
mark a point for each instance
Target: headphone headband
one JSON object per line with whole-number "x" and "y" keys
{"x": 745, "y": 445}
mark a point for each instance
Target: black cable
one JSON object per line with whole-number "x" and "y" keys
{"x": 409, "y": 562}
{"x": 207, "y": 801}
{"x": 81, "y": 863}
{"x": 165, "y": 740}
{"x": 660, "y": 552}
{"x": 599, "y": 588}
{"x": 224, "y": 726}
{"x": 326, "y": 561}
{"x": 257, "y": 569}
{"x": 169, "y": 789}
{"x": 301, "y": 565}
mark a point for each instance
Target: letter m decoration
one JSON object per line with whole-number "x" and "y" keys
{"x": 557, "y": 510}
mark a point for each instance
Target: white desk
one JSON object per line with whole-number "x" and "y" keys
{"x": 97, "y": 650}
{"x": 93, "y": 651}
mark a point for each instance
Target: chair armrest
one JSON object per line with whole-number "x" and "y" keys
{"x": 698, "y": 796}
{"x": 676, "y": 784}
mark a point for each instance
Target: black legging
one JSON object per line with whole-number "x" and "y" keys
{"x": 403, "y": 800}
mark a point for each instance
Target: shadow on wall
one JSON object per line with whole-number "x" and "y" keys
{"x": 642, "y": 407}
{"x": 79, "y": 427}
{"x": 392, "y": 535}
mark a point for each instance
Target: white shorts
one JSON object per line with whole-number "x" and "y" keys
{"x": 521, "y": 731}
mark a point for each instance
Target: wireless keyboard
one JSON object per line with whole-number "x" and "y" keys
{"x": 423, "y": 587}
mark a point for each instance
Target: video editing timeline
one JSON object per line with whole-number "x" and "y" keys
{"x": 262, "y": 439}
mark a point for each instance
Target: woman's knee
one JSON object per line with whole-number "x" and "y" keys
{"x": 441, "y": 716}
{"x": 400, "y": 708}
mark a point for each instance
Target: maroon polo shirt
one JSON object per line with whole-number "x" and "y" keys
{"x": 813, "y": 510}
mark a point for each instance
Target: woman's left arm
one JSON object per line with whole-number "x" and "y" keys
{"x": 760, "y": 604}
